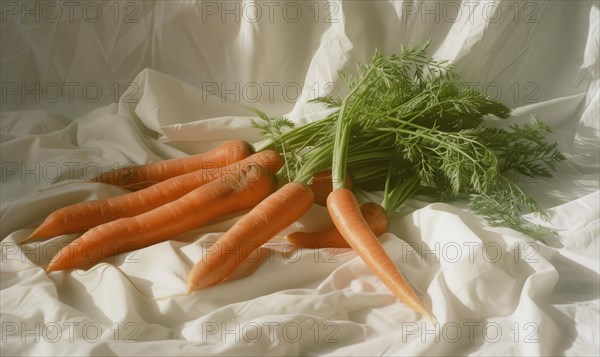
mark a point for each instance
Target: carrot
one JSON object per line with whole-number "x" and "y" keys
{"x": 267, "y": 219}
{"x": 138, "y": 177}
{"x": 232, "y": 193}
{"x": 322, "y": 185}
{"x": 346, "y": 216}
{"x": 330, "y": 237}
{"x": 82, "y": 216}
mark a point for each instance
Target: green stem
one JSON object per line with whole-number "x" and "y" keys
{"x": 293, "y": 137}
{"x": 342, "y": 136}
{"x": 395, "y": 196}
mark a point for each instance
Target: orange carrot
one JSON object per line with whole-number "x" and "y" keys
{"x": 257, "y": 227}
{"x": 82, "y": 216}
{"x": 232, "y": 193}
{"x": 373, "y": 214}
{"x": 346, "y": 216}
{"x": 138, "y": 177}
{"x": 322, "y": 185}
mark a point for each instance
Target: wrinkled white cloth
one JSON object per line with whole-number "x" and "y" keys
{"x": 196, "y": 70}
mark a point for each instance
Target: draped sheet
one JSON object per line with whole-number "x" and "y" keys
{"x": 93, "y": 86}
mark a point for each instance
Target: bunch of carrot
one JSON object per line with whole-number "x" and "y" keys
{"x": 202, "y": 189}
{"x": 405, "y": 127}
{"x": 174, "y": 196}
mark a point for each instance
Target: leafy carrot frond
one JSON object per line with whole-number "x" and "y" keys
{"x": 503, "y": 207}
{"x": 408, "y": 124}
{"x": 524, "y": 149}
{"x": 272, "y": 127}
{"x": 328, "y": 100}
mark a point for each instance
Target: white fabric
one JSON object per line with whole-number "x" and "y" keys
{"x": 492, "y": 290}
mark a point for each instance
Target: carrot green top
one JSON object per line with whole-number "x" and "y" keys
{"x": 410, "y": 125}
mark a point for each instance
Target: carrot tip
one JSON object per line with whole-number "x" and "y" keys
{"x": 430, "y": 318}
{"x": 24, "y": 241}
{"x": 197, "y": 285}
{"x": 32, "y": 236}
{"x": 190, "y": 289}
{"x": 52, "y": 266}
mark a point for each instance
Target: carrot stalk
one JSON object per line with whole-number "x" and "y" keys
{"x": 330, "y": 237}
{"x": 138, "y": 177}
{"x": 82, "y": 216}
{"x": 229, "y": 194}
{"x": 346, "y": 215}
{"x": 257, "y": 227}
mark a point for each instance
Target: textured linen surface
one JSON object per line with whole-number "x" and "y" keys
{"x": 151, "y": 80}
